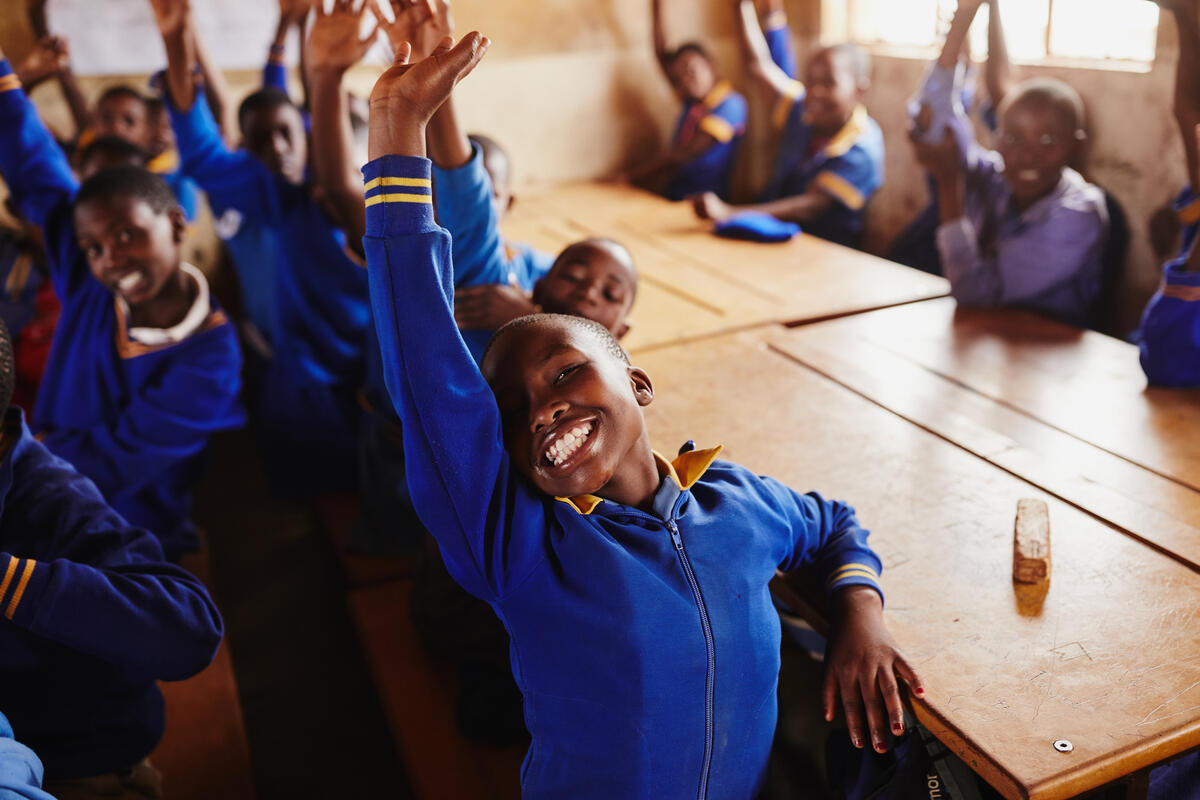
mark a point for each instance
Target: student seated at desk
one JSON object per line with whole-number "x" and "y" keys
{"x": 830, "y": 158}
{"x": 625, "y": 580}
{"x": 1169, "y": 335}
{"x": 709, "y": 128}
{"x": 304, "y": 288}
{"x": 1018, "y": 226}
{"x": 94, "y": 618}
{"x": 144, "y": 366}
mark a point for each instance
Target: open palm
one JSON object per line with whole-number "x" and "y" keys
{"x": 334, "y": 38}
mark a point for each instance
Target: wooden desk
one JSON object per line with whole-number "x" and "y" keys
{"x": 1108, "y": 658}
{"x": 694, "y": 284}
{"x": 1065, "y": 409}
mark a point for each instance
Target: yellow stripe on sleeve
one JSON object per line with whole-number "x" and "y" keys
{"x": 399, "y": 198}
{"x": 25, "y": 576}
{"x": 1178, "y": 291}
{"x": 855, "y": 573}
{"x": 853, "y": 568}
{"x": 842, "y": 190}
{"x": 8, "y": 574}
{"x": 783, "y": 106}
{"x": 718, "y": 128}
{"x": 419, "y": 183}
{"x": 10, "y": 82}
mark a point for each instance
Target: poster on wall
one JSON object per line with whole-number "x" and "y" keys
{"x": 119, "y": 37}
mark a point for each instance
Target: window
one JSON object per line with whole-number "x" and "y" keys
{"x": 1123, "y": 30}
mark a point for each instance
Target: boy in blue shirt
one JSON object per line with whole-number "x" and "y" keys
{"x": 710, "y": 125}
{"x": 830, "y": 158}
{"x": 634, "y": 588}
{"x": 144, "y": 367}
{"x": 94, "y": 617}
{"x": 1169, "y": 335}
{"x": 304, "y": 288}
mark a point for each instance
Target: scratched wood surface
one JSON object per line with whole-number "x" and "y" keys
{"x": 1106, "y": 655}
{"x": 694, "y": 284}
{"x": 870, "y": 354}
{"x": 1083, "y": 383}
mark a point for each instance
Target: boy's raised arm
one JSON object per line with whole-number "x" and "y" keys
{"x": 756, "y": 54}
{"x": 997, "y": 72}
{"x": 659, "y": 34}
{"x": 458, "y": 469}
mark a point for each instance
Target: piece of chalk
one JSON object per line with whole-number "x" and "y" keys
{"x": 1031, "y": 542}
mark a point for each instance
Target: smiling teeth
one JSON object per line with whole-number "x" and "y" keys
{"x": 129, "y": 281}
{"x": 566, "y": 445}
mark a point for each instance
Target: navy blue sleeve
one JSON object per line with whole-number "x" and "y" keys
{"x": 231, "y": 179}
{"x": 779, "y": 42}
{"x": 826, "y": 535}
{"x": 96, "y": 584}
{"x": 40, "y": 179}
{"x": 465, "y": 208}
{"x": 488, "y": 524}
{"x": 275, "y": 71}
{"x": 168, "y": 417}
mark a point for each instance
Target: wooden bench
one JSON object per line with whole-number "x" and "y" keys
{"x": 418, "y": 695}
{"x": 335, "y": 516}
{"x": 204, "y": 753}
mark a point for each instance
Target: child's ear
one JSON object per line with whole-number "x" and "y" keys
{"x": 643, "y": 389}
{"x": 178, "y": 224}
{"x": 512, "y": 201}
{"x": 622, "y": 330}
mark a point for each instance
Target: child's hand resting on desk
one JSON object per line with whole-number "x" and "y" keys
{"x": 407, "y": 95}
{"x": 862, "y": 663}
{"x": 490, "y": 306}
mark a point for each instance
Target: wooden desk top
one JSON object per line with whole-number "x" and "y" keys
{"x": 1107, "y": 658}
{"x": 1085, "y": 384}
{"x": 716, "y": 285}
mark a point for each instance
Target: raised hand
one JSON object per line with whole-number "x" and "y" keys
{"x": 490, "y": 306}
{"x": 333, "y": 41}
{"x": 292, "y": 11}
{"x": 171, "y": 16}
{"x": 49, "y": 57}
{"x": 421, "y": 23}
{"x": 407, "y": 94}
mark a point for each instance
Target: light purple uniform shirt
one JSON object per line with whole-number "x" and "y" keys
{"x": 1047, "y": 259}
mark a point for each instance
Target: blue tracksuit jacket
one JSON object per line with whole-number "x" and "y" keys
{"x": 134, "y": 419}
{"x": 722, "y": 115}
{"x": 1169, "y": 335}
{"x": 645, "y": 644}
{"x": 94, "y": 617}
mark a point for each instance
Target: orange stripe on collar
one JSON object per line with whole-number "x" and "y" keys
{"x": 717, "y": 94}
{"x": 685, "y": 470}
{"x": 850, "y": 133}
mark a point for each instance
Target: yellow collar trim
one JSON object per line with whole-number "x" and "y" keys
{"x": 164, "y": 163}
{"x": 717, "y": 94}
{"x": 844, "y": 139}
{"x": 685, "y": 470}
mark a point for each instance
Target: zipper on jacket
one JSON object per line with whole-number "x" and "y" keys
{"x": 710, "y": 673}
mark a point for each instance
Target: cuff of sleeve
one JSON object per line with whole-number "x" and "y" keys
{"x": 21, "y": 583}
{"x": 775, "y": 21}
{"x": 463, "y": 178}
{"x": 1179, "y": 282}
{"x": 855, "y": 574}
{"x": 399, "y": 195}
{"x": 955, "y": 239}
{"x": 8, "y": 78}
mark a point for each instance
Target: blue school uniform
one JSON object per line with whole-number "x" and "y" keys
{"x": 19, "y": 282}
{"x": 21, "y": 770}
{"x": 849, "y": 168}
{"x": 1169, "y": 335}
{"x": 464, "y": 205}
{"x": 136, "y": 419}
{"x": 645, "y": 644}
{"x": 307, "y": 293}
{"x": 779, "y": 42}
{"x": 95, "y": 617}
{"x": 167, "y": 167}
{"x": 722, "y": 115}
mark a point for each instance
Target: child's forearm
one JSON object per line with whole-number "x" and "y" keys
{"x": 997, "y": 73}
{"x": 181, "y": 62}
{"x": 216, "y": 90}
{"x": 658, "y": 32}
{"x": 332, "y": 150}
{"x": 449, "y": 146}
{"x": 957, "y": 36}
{"x": 951, "y": 197}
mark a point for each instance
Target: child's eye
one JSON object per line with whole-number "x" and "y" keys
{"x": 125, "y": 236}
{"x": 1047, "y": 140}
{"x": 563, "y": 374}
{"x": 92, "y": 251}
{"x": 613, "y": 297}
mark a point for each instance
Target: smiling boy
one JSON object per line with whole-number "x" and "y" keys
{"x": 634, "y": 588}
{"x": 1018, "y": 226}
{"x": 144, "y": 367}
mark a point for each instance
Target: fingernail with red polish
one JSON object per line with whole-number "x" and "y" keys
{"x": 920, "y": 690}
{"x": 858, "y": 742}
{"x": 897, "y": 727}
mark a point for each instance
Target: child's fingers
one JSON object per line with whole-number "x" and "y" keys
{"x": 877, "y": 720}
{"x": 829, "y": 695}
{"x": 403, "y": 54}
{"x": 889, "y": 690}
{"x": 908, "y": 674}
{"x": 852, "y": 708}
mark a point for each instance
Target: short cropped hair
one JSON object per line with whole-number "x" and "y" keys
{"x": 689, "y": 47}
{"x": 602, "y": 242}
{"x": 264, "y": 99}
{"x": 116, "y": 149}
{"x": 8, "y": 368}
{"x": 133, "y": 182}
{"x": 602, "y": 334}
{"x": 121, "y": 90}
{"x": 1050, "y": 92}
{"x": 857, "y": 61}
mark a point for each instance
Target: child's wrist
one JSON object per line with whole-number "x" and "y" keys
{"x": 395, "y": 132}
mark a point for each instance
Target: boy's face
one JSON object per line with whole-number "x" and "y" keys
{"x": 162, "y": 135}
{"x": 496, "y": 166}
{"x": 131, "y": 249}
{"x": 570, "y": 409}
{"x": 832, "y": 92}
{"x": 593, "y": 280}
{"x": 275, "y": 136}
{"x": 692, "y": 76}
{"x": 1036, "y": 140}
{"x": 124, "y": 117}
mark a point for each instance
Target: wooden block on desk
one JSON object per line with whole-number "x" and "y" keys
{"x": 1031, "y": 542}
